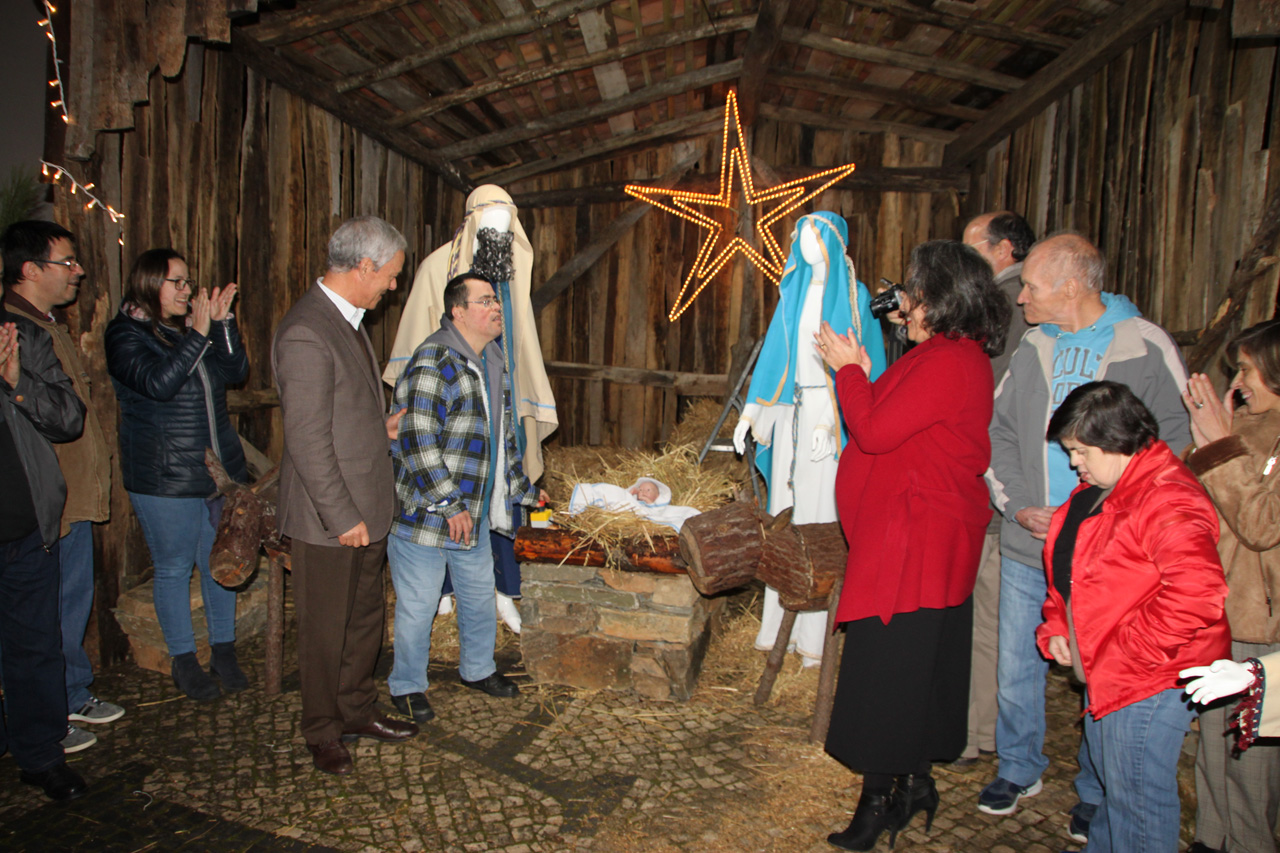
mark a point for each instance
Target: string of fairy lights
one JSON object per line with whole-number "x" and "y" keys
{"x": 735, "y": 161}
{"x": 52, "y": 170}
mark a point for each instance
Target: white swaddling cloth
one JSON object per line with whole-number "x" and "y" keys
{"x": 621, "y": 499}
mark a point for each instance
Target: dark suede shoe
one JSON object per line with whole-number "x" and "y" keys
{"x": 59, "y": 782}
{"x": 383, "y": 729}
{"x": 414, "y": 705}
{"x": 331, "y": 757}
{"x": 495, "y": 685}
{"x": 223, "y": 664}
{"x": 191, "y": 678}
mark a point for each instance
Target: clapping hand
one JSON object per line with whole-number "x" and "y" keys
{"x": 839, "y": 350}
{"x": 220, "y": 301}
{"x": 1210, "y": 417}
{"x": 10, "y": 364}
{"x": 200, "y": 312}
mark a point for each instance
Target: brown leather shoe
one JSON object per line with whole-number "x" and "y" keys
{"x": 331, "y": 757}
{"x": 384, "y": 729}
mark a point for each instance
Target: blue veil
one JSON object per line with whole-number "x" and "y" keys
{"x": 773, "y": 381}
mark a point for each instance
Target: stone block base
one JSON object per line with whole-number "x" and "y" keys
{"x": 604, "y": 629}
{"x": 136, "y": 613}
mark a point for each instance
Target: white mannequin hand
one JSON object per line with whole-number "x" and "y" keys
{"x": 1218, "y": 679}
{"x": 740, "y": 435}
{"x": 824, "y": 445}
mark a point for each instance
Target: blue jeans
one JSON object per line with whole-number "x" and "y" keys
{"x": 417, "y": 571}
{"x": 1020, "y": 676}
{"x": 1136, "y": 751}
{"x": 34, "y": 721}
{"x": 74, "y": 604}
{"x": 180, "y": 535}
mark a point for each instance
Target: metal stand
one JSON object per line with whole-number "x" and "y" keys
{"x": 737, "y": 400}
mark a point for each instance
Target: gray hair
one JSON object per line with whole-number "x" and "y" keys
{"x": 364, "y": 237}
{"x": 1075, "y": 257}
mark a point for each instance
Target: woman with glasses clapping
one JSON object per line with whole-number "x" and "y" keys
{"x": 171, "y": 351}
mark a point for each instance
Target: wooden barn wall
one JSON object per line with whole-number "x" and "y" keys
{"x": 1164, "y": 159}
{"x": 616, "y": 314}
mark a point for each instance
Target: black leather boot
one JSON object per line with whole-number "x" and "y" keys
{"x": 913, "y": 794}
{"x": 874, "y": 815}
{"x": 223, "y": 664}
{"x": 191, "y": 678}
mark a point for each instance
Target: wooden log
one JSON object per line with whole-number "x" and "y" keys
{"x": 824, "y": 702}
{"x": 774, "y": 662}
{"x": 802, "y": 562}
{"x": 558, "y": 545}
{"x": 722, "y": 547}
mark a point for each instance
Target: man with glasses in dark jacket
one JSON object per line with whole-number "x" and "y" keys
{"x": 37, "y": 405}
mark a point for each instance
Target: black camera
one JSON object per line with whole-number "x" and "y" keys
{"x": 890, "y": 300}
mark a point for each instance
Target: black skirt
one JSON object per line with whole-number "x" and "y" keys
{"x": 903, "y": 696}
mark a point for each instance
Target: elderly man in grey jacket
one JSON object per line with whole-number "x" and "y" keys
{"x": 1083, "y": 334}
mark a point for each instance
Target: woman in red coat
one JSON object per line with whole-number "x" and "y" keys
{"x": 914, "y": 507}
{"x": 1136, "y": 593}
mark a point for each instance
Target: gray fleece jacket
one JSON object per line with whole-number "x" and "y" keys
{"x": 1141, "y": 355}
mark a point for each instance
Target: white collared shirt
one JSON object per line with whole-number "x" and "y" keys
{"x": 350, "y": 313}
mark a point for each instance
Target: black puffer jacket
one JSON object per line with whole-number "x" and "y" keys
{"x": 173, "y": 404}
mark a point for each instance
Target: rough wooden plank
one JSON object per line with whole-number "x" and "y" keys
{"x": 903, "y": 59}
{"x": 360, "y": 115}
{"x": 519, "y": 25}
{"x": 857, "y": 90}
{"x": 572, "y": 118}
{"x": 857, "y": 125}
{"x": 1107, "y": 40}
{"x": 968, "y": 25}
{"x": 527, "y": 76}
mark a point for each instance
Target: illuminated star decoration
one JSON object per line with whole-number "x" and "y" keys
{"x": 690, "y": 205}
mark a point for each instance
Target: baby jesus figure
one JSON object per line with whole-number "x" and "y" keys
{"x": 646, "y": 497}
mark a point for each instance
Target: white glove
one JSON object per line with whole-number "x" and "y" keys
{"x": 1218, "y": 679}
{"x": 824, "y": 445}
{"x": 740, "y": 435}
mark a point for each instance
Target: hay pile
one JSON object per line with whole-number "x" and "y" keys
{"x": 691, "y": 485}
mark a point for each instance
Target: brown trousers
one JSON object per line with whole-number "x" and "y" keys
{"x": 338, "y": 592}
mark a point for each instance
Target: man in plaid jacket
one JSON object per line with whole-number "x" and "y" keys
{"x": 458, "y": 470}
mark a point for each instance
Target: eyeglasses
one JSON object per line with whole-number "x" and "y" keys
{"x": 487, "y": 302}
{"x": 71, "y": 264}
{"x": 182, "y": 283}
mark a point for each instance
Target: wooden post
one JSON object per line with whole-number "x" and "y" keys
{"x": 279, "y": 561}
{"x": 831, "y": 649}
{"x": 774, "y": 663}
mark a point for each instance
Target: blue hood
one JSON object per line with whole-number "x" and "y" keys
{"x": 1118, "y": 307}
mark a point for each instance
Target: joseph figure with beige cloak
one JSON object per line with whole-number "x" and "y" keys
{"x": 492, "y": 242}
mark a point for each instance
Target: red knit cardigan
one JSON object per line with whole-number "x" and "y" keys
{"x": 910, "y": 489}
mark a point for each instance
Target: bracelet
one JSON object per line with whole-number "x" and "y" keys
{"x": 1248, "y": 713}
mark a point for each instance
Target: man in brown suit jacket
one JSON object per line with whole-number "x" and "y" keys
{"x": 337, "y": 493}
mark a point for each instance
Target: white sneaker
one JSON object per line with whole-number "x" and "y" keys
{"x": 446, "y": 605}
{"x": 97, "y": 711}
{"x": 508, "y": 612}
{"x": 77, "y": 739}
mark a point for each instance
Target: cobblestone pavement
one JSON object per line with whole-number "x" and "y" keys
{"x": 551, "y": 770}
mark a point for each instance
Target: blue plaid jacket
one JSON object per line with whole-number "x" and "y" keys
{"x": 441, "y": 456}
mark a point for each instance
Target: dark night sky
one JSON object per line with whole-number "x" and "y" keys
{"x": 23, "y": 86}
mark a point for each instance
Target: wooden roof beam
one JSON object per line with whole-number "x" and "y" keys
{"x": 855, "y": 125}
{"x": 363, "y": 116}
{"x": 762, "y": 46}
{"x": 855, "y": 90}
{"x": 516, "y": 26}
{"x": 912, "y": 179}
{"x": 525, "y": 77}
{"x": 315, "y": 18}
{"x": 969, "y": 26}
{"x": 677, "y": 85}
{"x": 1112, "y": 36}
{"x": 902, "y": 59}
{"x": 691, "y": 124}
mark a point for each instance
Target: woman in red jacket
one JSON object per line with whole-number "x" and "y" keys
{"x": 1136, "y": 593}
{"x": 914, "y": 507}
